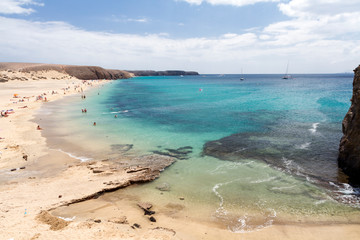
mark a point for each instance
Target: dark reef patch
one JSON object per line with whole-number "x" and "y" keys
{"x": 180, "y": 153}
{"x": 297, "y": 149}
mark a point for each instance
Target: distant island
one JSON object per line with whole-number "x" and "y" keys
{"x": 86, "y": 72}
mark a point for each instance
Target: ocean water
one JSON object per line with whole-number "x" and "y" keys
{"x": 249, "y": 153}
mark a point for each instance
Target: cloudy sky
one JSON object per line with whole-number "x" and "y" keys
{"x": 209, "y": 36}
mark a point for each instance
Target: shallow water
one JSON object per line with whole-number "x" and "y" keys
{"x": 253, "y": 152}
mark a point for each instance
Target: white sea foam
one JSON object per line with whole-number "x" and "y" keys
{"x": 264, "y": 180}
{"x": 282, "y": 188}
{"x": 320, "y": 202}
{"x": 314, "y": 127}
{"x": 244, "y": 227}
{"x": 245, "y": 220}
{"x": 82, "y": 158}
{"x": 345, "y": 189}
{"x": 304, "y": 146}
{"x": 228, "y": 166}
{"x": 68, "y": 219}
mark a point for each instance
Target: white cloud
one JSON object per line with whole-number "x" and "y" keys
{"x": 238, "y": 3}
{"x": 313, "y": 8}
{"x": 140, "y": 20}
{"x": 114, "y": 18}
{"x": 313, "y": 42}
{"x": 17, "y": 6}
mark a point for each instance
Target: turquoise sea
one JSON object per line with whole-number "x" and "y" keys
{"x": 249, "y": 153}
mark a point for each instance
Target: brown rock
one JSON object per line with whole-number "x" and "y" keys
{"x": 349, "y": 149}
{"x": 145, "y": 205}
{"x": 119, "y": 220}
{"x": 135, "y": 225}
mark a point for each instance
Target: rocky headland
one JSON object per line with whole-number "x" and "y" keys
{"x": 349, "y": 150}
{"x": 79, "y": 72}
{"x": 34, "y": 71}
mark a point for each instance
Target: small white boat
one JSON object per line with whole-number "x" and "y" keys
{"x": 286, "y": 76}
{"x": 242, "y": 78}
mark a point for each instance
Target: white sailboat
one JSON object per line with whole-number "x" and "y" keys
{"x": 287, "y": 76}
{"x": 242, "y": 78}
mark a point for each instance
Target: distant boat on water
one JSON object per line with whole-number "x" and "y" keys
{"x": 287, "y": 76}
{"x": 242, "y": 78}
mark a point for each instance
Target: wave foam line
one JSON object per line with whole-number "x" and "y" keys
{"x": 82, "y": 158}
{"x": 314, "y": 127}
{"x": 68, "y": 219}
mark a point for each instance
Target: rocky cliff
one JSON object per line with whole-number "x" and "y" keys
{"x": 89, "y": 72}
{"x": 80, "y": 72}
{"x": 349, "y": 150}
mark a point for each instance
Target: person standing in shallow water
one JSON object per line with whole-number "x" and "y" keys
{"x": 94, "y": 124}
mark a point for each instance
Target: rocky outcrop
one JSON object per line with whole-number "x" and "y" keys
{"x": 162, "y": 73}
{"x": 80, "y": 72}
{"x": 349, "y": 150}
{"x": 93, "y": 72}
{"x": 89, "y": 72}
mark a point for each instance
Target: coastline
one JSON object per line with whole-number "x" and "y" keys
{"x": 48, "y": 178}
{"x": 57, "y": 174}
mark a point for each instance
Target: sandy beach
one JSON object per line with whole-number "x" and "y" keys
{"x": 37, "y": 183}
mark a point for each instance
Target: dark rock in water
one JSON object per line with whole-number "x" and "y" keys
{"x": 180, "y": 153}
{"x": 121, "y": 147}
{"x": 280, "y": 146}
{"x": 349, "y": 149}
{"x": 163, "y": 187}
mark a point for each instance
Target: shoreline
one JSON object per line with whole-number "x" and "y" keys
{"x": 52, "y": 179}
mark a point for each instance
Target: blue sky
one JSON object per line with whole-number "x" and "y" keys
{"x": 209, "y": 36}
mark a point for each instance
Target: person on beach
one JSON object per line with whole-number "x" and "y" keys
{"x": 38, "y": 127}
{"x": 94, "y": 124}
{"x": 85, "y": 111}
